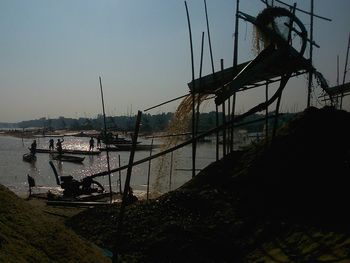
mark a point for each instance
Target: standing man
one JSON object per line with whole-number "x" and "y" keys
{"x": 91, "y": 143}
{"x": 51, "y": 144}
{"x": 59, "y": 146}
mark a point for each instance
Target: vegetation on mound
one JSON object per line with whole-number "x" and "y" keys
{"x": 28, "y": 235}
{"x": 281, "y": 201}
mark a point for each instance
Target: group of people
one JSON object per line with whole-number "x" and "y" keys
{"x": 58, "y": 145}
{"x": 92, "y": 143}
{"x": 59, "y": 148}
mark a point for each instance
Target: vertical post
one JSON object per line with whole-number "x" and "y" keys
{"x": 120, "y": 176}
{"x": 149, "y": 169}
{"x": 105, "y": 135}
{"x": 311, "y": 51}
{"x": 200, "y": 84}
{"x": 230, "y": 126}
{"x": 223, "y": 113}
{"x": 267, "y": 112}
{"x": 131, "y": 158}
{"x": 171, "y": 169}
{"x": 235, "y": 43}
{"x": 193, "y": 97}
{"x": 210, "y": 49}
{"x": 217, "y": 132}
{"x": 276, "y": 115}
{"x": 232, "y": 118}
{"x": 345, "y": 71}
{"x": 127, "y": 184}
{"x": 235, "y": 62}
{"x": 337, "y": 70}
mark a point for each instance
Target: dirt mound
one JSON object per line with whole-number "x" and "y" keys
{"x": 284, "y": 201}
{"x": 28, "y": 235}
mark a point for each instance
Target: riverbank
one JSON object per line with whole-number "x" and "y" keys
{"x": 30, "y": 235}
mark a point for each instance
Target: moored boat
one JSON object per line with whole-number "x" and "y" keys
{"x": 28, "y": 157}
{"x": 68, "y": 158}
{"x": 128, "y": 147}
{"x": 69, "y": 151}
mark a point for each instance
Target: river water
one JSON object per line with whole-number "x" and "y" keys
{"x": 13, "y": 170}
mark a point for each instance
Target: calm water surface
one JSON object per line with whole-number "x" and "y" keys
{"x": 13, "y": 170}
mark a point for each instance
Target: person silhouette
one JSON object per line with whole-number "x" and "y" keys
{"x": 51, "y": 144}
{"x": 33, "y": 148}
{"x": 59, "y": 146}
{"x": 91, "y": 144}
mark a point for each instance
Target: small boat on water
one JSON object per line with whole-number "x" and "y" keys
{"x": 128, "y": 147}
{"x": 28, "y": 157}
{"x": 68, "y": 158}
{"x": 69, "y": 151}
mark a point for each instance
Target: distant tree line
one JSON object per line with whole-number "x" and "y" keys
{"x": 149, "y": 123}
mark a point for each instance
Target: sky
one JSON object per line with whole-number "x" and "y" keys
{"x": 53, "y": 52}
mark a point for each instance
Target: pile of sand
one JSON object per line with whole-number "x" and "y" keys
{"x": 285, "y": 201}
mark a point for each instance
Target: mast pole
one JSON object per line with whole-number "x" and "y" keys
{"x": 105, "y": 135}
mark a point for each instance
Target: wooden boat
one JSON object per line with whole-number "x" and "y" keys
{"x": 118, "y": 141}
{"x": 69, "y": 151}
{"x": 28, "y": 157}
{"x": 128, "y": 147}
{"x": 68, "y": 158}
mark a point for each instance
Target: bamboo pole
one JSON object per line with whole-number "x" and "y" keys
{"x": 223, "y": 115}
{"x": 258, "y": 108}
{"x": 149, "y": 170}
{"x": 345, "y": 71}
{"x": 282, "y": 84}
{"x": 200, "y": 83}
{"x": 171, "y": 169}
{"x": 105, "y": 135}
{"x": 266, "y": 113}
{"x": 217, "y": 132}
{"x": 193, "y": 95}
{"x": 235, "y": 62}
{"x": 311, "y": 53}
{"x": 166, "y": 102}
{"x": 300, "y": 10}
{"x": 337, "y": 70}
{"x": 127, "y": 184}
{"x": 209, "y": 40}
{"x": 253, "y": 110}
{"x": 120, "y": 176}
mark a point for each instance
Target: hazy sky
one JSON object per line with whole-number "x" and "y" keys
{"x": 53, "y": 51}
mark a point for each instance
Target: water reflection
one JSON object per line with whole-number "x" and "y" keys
{"x": 13, "y": 171}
